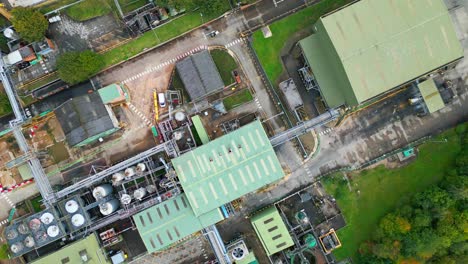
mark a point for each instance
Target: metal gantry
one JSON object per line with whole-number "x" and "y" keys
{"x": 304, "y": 127}
{"x": 39, "y": 175}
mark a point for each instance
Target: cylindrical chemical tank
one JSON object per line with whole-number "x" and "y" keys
{"x": 72, "y": 206}
{"x": 109, "y": 207}
{"x": 17, "y": 247}
{"x": 102, "y": 191}
{"x": 141, "y": 167}
{"x": 29, "y": 242}
{"x": 126, "y": 199}
{"x": 23, "y": 229}
{"x": 129, "y": 172}
{"x": 53, "y": 231}
{"x": 139, "y": 193}
{"x": 34, "y": 224}
{"x": 179, "y": 116}
{"x": 11, "y": 234}
{"x": 47, "y": 218}
{"x": 151, "y": 189}
{"x": 117, "y": 177}
{"x": 40, "y": 236}
{"x": 77, "y": 220}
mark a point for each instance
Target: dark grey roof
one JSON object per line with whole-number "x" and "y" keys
{"x": 83, "y": 117}
{"x": 199, "y": 75}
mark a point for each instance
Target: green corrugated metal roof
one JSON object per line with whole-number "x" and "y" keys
{"x": 248, "y": 259}
{"x": 89, "y": 246}
{"x": 110, "y": 93}
{"x": 170, "y": 221}
{"x": 271, "y": 230}
{"x": 200, "y": 129}
{"x": 381, "y": 45}
{"x": 431, "y": 95}
{"x": 228, "y": 168}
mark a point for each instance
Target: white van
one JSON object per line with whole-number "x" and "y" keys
{"x": 162, "y": 99}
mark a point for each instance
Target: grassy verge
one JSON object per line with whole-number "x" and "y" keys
{"x": 5, "y": 107}
{"x": 237, "y": 99}
{"x": 130, "y": 5}
{"x": 225, "y": 64}
{"x": 4, "y": 251}
{"x": 381, "y": 190}
{"x": 269, "y": 50}
{"x": 152, "y": 38}
{"x": 52, "y": 5}
{"x": 88, "y": 9}
{"x": 40, "y": 82}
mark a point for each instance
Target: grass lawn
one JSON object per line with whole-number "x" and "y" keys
{"x": 52, "y": 5}
{"x": 237, "y": 99}
{"x": 225, "y": 64}
{"x": 5, "y": 107}
{"x": 268, "y": 50}
{"x": 163, "y": 33}
{"x": 4, "y": 251}
{"x": 130, "y": 5}
{"x": 382, "y": 190}
{"x": 36, "y": 204}
{"x": 88, "y": 9}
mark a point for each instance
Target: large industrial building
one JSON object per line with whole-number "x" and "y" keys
{"x": 370, "y": 47}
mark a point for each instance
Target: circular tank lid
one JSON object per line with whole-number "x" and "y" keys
{"x": 47, "y": 218}
{"x": 29, "y": 241}
{"x": 41, "y": 236}
{"x": 179, "y": 116}
{"x": 77, "y": 220}
{"x": 151, "y": 188}
{"x": 71, "y": 206}
{"x": 126, "y": 198}
{"x": 23, "y": 229}
{"x": 34, "y": 224}
{"x": 129, "y": 171}
{"x": 9, "y": 33}
{"x": 117, "y": 177}
{"x": 16, "y": 247}
{"x": 53, "y": 231}
{"x": 11, "y": 234}
{"x": 141, "y": 167}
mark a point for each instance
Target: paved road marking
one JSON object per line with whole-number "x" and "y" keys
{"x": 146, "y": 121}
{"x": 232, "y": 43}
{"x": 327, "y": 131}
{"x": 163, "y": 64}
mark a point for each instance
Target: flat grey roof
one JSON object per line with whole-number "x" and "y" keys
{"x": 199, "y": 75}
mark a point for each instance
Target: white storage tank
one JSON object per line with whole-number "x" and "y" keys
{"x": 53, "y": 231}
{"x": 77, "y": 220}
{"x": 126, "y": 199}
{"x": 29, "y": 242}
{"x": 23, "y": 229}
{"x": 47, "y": 218}
{"x": 151, "y": 189}
{"x": 139, "y": 193}
{"x": 17, "y": 247}
{"x": 11, "y": 234}
{"x": 109, "y": 207}
{"x": 129, "y": 172}
{"x": 72, "y": 206}
{"x": 102, "y": 191}
{"x": 117, "y": 177}
{"x": 141, "y": 167}
{"x": 179, "y": 116}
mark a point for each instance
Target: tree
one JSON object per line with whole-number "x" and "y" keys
{"x": 394, "y": 226}
{"x": 75, "y": 67}
{"x": 178, "y": 4}
{"x": 211, "y": 7}
{"x": 29, "y": 23}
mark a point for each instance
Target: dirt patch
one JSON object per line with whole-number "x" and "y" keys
{"x": 59, "y": 152}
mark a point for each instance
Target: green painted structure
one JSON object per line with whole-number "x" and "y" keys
{"x": 201, "y": 131}
{"x": 170, "y": 221}
{"x": 112, "y": 93}
{"x": 228, "y": 168}
{"x": 76, "y": 252}
{"x": 248, "y": 259}
{"x": 25, "y": 171}
{"x": 271, "y": 230}
{"x": 431, "y": 95}
{"x": 370, "y": 47}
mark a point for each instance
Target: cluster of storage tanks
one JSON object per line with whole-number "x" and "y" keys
{"x": 104, "y": 191}
{"x": 33, "y": 232}
{"x": 128, "y": 174}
